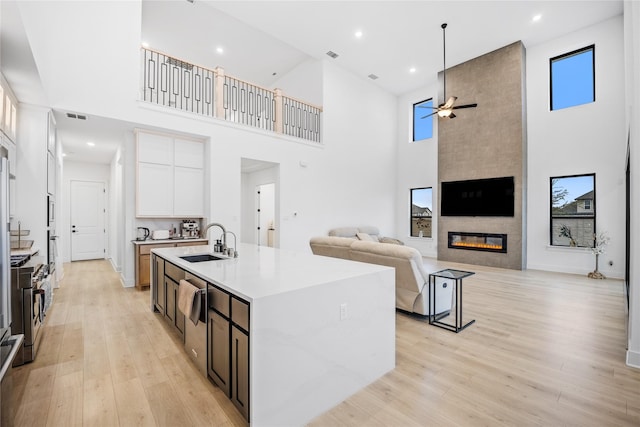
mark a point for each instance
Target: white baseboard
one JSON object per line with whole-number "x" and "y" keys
{"x": 114, "y": 266}
{"x": 127, "y": 283}
{"x": 610, "y": 274}
{"x": 633, "y": 359}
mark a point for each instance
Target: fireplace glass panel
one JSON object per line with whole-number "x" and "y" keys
{"x": 478, "y": 241}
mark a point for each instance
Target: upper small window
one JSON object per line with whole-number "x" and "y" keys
{"x": 422, "y": 128}
{"x": 573, "y": 79}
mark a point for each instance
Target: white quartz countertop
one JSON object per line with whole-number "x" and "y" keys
{"x": 261, "y": 271}
{"x": 155, "y": 242}
{"x": 31, "y": 251}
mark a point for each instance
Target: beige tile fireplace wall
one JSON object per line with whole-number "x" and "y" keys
{"x": 486, "y": 142}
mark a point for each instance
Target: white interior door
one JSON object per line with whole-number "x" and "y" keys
{"x": 87, "y": 220}
{"x": 266, "y": 214}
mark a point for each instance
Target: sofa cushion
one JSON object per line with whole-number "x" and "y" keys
{"x": 366, "y": 237}
{"x": 337, "y": 247}
{"x": 371, "y": 230}
{"x": 344, "y": 232}
{"x": 391, "y": 240}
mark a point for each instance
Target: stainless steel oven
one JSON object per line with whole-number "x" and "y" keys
{"x": 28, "y": 306}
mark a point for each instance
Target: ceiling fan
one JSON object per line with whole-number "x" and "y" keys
{"x": 446, "y": 109}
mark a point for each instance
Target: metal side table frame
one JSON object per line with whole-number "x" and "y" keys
{"x": 456, "y": 275}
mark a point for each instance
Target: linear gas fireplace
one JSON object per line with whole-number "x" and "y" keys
{"x": 478, "y": 241}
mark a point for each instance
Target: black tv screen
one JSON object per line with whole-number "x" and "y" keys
{"x": 478, "y": 197}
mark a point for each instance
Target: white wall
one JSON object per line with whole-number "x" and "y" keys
{"x": 304, "y": 82}
{"x": 632, "y": 46}
{"x": 418, "y": 167}
{"x": 589, "y": 138}
{"x": 76, "y": 171}
{"x": 116, "y": 210}
{"x": 31, "y": 175}
{"x": 84, "y": 51}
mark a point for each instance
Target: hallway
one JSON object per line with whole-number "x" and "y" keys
{"x": 106, "y": 360}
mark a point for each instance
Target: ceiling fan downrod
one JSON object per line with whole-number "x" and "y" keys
{"x": 444, "y": 63}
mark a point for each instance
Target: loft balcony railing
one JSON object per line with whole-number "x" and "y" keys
{"x": 174, "y": 83}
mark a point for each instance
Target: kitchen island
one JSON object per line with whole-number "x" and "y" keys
{"x": 314, "y": 329}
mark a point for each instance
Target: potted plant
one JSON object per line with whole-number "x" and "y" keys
{"x": 600, "y": 241}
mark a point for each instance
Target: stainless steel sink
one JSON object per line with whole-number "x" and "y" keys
{"x": 201, "y": 258}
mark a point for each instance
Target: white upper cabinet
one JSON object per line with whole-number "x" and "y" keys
{"x": 188, "y": 192}
{"x": 170, "y": 176}
{"x": 155, "y": 190}
{"x": 8, "y": 110}
{"x": 188, "y": 154}
{"x": 154, "y": 148}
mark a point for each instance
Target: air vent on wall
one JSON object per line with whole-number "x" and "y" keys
{"x": 76, "y": 116}
{"x": 372, "y": 76}
{"x": 332, "y": 54}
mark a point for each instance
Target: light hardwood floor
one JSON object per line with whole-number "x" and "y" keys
{"x": 546, "y": 350}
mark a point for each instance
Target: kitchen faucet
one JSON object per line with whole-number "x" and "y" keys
{"x": 233, "y": 251}
{"x": 224, "y": 232}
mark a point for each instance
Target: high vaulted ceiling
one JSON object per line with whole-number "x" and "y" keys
{"x": 263, "y": 40}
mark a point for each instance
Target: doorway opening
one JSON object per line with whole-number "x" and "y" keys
{"x": 87, "y": 220}
{"x": 260, "y": 202}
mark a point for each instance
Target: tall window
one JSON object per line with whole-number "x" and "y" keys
{"x": 573, "y": 210}
{"x": 422, "y": 128}
{"x": 573, "y": 78}
{"x": 421, "y": 212}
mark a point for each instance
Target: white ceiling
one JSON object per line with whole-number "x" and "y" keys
{"x": 264, "y": 37}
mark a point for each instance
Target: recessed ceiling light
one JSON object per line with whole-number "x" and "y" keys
{"x": 91, "y": 144}
{"x": 412, "y": 69}
{"x": 358, "y": 34}
{"x": 536, "y": 18}
{"x": 64, "y": 154}
{"x": 220, "y": 50}
{"x": 145, "y": 45}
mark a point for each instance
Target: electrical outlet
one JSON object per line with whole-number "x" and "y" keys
{"x": 343, "y": 311}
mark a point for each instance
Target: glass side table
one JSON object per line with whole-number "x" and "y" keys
{"x": 457, "y": 276}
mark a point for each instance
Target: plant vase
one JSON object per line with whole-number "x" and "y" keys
{"x": 596, "y": 274}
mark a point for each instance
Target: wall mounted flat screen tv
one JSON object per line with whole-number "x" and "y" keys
{"x": 478, "y": 197}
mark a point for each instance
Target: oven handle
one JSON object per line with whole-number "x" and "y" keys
{"x": 42, "y": 301}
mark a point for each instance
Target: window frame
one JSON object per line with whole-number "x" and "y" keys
{"x": 413, "y": 120}
{"x": 411, "y": 190}
{"x": 551, "y": 216}
{"x": 591, "y": 48}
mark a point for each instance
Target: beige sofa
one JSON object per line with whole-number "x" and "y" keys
{"x": 411, "y": 278}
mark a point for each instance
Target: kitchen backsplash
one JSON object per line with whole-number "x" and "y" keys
{"x": 161, "y": 224}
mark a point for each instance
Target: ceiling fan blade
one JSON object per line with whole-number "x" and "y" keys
{"x": 429, "y": 115}
{"x": 450, "y": 102}
{"x": 426, "y": 106}
{"x": 464, "y": 106}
